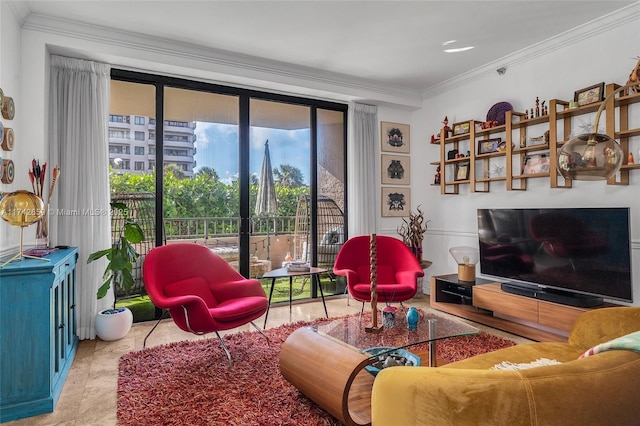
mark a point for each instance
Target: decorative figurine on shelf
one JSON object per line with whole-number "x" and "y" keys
{"x": 412, "y": 318}
{"x": 436, "y": 178}
{"x": 544, "y": 108}
{"x": 433, "y": 139}
{"x": 630, "y": 158}
{"x": 537, "y": 107}
{"x": 446, "y": 127}
{"x": 634, "y": 77}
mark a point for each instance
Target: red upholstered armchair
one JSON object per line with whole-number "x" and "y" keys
{"x": 201, "y": 291}
{"x": 397, "y": 269}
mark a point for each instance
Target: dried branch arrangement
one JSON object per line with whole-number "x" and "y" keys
{"x": 412, "y": 230}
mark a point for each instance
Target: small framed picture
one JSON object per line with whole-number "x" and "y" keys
{"x": 396, "y": 169}
{"x": 589, "y": 95}
{"x": 535, "y": 163}
{"x": 462, "y": 171}
{"x": 537, "y": 140}
{"x": 487, "y": 146}
{"x": 396, "y": 202}
{"x": 394, "y": 137}
{"x": 461, "y": 128}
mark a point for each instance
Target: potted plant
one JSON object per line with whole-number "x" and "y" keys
{"x": 115, "y": 323}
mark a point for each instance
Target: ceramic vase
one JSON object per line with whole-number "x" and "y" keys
{"x": 113, "y": 324}
{"x": 412, "y": 319}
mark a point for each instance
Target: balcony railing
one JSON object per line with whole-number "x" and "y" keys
{"x": 219, "y": 227}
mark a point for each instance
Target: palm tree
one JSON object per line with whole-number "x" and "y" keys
{"x": 207, "y": 172}
{"x": 173, "y": 169}
{"x": 288, "y": 176}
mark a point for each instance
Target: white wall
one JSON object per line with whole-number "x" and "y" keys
{"x": 23, "y": 152}
{"x": 567, "y": 65}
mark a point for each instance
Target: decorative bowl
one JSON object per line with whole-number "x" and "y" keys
{"x": 397, "y": 357}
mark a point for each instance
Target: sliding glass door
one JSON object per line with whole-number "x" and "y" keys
{"x": 257, "y": 177}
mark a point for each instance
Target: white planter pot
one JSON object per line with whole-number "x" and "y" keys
{"x": 113, "y": 324}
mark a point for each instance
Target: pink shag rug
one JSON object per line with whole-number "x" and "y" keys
{"x": 191, "y": 383}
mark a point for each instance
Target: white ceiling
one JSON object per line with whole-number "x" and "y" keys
{"x": 394, "y": 43}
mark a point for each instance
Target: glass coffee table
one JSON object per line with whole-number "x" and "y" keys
{"x": 326, "y": 363}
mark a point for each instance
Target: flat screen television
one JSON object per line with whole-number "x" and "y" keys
{"x": 575, "y": 256}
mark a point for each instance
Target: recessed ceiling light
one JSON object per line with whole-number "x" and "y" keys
{"x": 459, "y": 49}
{"x": 446, "y": 43}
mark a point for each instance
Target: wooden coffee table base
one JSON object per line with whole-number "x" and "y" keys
{"x": 330, "y": 373}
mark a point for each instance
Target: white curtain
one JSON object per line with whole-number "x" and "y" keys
{"x": 363, "y": 123}
{"x": 79, "y": 114}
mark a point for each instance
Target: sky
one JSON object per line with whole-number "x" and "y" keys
{"x": 217, "y": 147}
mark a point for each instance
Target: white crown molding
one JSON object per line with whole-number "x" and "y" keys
{"x": 582, "y": 32}
{"x": 221, "y": 59}
{"x": 20, "y": 10}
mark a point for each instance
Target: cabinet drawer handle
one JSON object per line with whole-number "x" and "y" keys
{"x": 72, "y": 306}
{"x": 61, "y": 326}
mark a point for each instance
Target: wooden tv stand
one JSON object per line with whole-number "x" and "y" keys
{"x": 484, "y": 302}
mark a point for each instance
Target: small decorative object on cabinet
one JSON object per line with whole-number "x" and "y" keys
{"x": 21, "y": 208}
{"x": 114, "y": 324}
{"x": 466, "y": 258}
{"x": 37, "y": 333}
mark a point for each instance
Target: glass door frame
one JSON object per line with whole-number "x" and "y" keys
{"x": 244, "y": 97}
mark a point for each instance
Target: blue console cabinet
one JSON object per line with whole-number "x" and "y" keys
{"x": 37, "y": 333}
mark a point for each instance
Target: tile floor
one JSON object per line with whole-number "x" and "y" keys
{"x": 89, "y": 394}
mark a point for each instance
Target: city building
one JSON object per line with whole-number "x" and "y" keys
{"x": 132, "y": 144}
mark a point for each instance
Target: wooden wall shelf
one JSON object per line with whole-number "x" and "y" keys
{"x": 558, "y": 124}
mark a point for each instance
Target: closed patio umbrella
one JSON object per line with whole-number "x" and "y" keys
{"x": 266, "y": 203}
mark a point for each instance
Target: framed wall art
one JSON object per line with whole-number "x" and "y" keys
{"x": 396, "y": 202}
{"x": 462, "y": 171}
{"x": 396, "y": 169}
{"x": 589, "y": 95}
{"x": 535, "y": 163}
{"x": 461, "y": 128}
{"x": 487, "y": 146}
{"x": 394, "y": 137}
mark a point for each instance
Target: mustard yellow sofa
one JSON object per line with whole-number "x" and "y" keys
{"x": 603, "y": 389}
